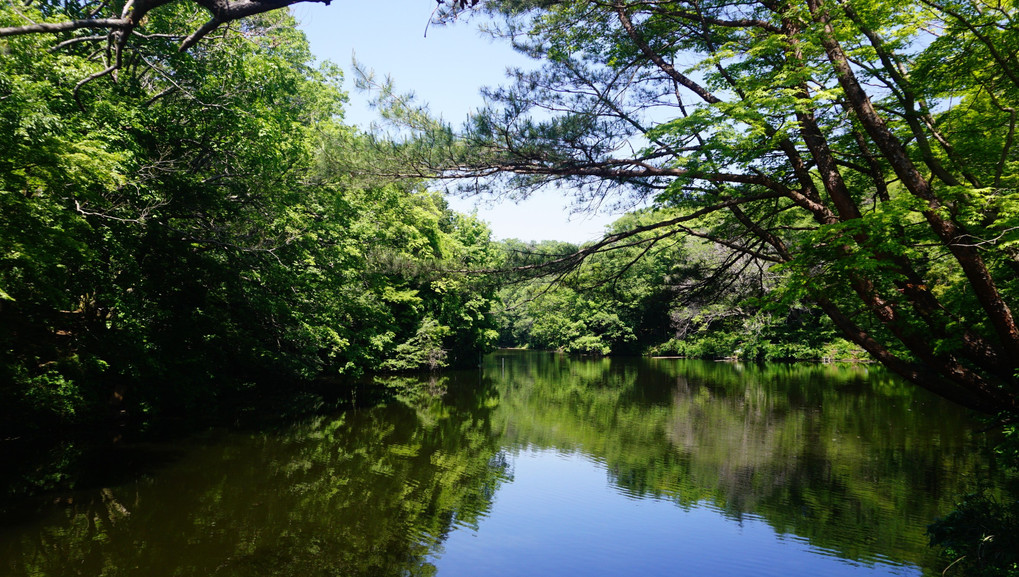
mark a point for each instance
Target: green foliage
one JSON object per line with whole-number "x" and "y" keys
{"x": 663, "y": 298}
{"x": 763, "y": 337}
{"x": 423, "y": 350}
{"x": 181, "y": 236}
{"x": 980, "y": 537}
{"x": 856, "y": 157}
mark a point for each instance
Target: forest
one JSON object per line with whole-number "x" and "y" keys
{"x": 189, "y": 233}
{"x": 207, "y": 228}
{"x": 186, "y": 222}
{"x": 185, "y": 207}
{"x": 185, "y": 215}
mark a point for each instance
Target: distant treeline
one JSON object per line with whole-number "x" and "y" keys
{"x": 680, "y": 297}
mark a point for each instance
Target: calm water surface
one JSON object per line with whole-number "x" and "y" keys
{"x": 536, "y": 465}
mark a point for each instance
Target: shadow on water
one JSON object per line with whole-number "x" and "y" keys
{"x": 847, "y": 459}
{"x": 361, "y": 492}
{"x": 37, "y": 474}
{"x": 49, "y": 464}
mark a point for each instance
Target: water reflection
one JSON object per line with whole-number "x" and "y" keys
{"x": 540, "y": 464}
{"x": 365, "y": 493}
{"x": 560, "y": 517}
{"x": 849, "y": 458}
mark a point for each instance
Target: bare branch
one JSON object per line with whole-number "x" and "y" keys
{"x": 54, "y": 27}
{"x": 665, "y": 67}
{"x": 200, "y": 33}
{"x": 132, "y": 16}
{"x": 616, "y": 241}
{"x": 77, "y": 87}
{"x": 73, "y": 41}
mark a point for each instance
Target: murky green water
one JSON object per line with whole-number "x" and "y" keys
{"x": 537, "y": 465}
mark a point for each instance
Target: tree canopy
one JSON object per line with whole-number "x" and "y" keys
{"x": 184, "y": 236}
{"x": 129, "y": 20}
{"x": 864, "y": 151}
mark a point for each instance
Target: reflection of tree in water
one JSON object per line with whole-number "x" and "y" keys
{"x": 855, "y": 462}
{"x": 847, "y": 457}
{"x": 370, "y": 492}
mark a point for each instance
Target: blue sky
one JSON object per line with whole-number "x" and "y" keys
{"x": 446, "y": 69}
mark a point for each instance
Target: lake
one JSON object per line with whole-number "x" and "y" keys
{"x": 536, "y": 465}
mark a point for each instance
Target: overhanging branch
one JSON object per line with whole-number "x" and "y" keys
{"x": 123, "y": 27}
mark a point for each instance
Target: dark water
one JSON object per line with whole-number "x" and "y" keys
{"x": 535, "y": 466}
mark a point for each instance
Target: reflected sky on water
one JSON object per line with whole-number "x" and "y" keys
{"x": 561, "y": 515}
